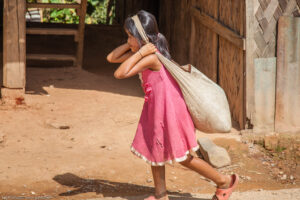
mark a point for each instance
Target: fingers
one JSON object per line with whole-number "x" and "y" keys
{"x": 152, "y": 47}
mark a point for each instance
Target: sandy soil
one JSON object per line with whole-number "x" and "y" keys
{"x": 89, "y": 156}
{"x": 92, "y": 157}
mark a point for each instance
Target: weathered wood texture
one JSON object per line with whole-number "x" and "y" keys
{"x": 203, "y": 43}
{"x": 14, "y": 49}
{"x": 287, "y": 117}
{"x": 231, "y": 58}
{"x": 125, "y": 8}
{"x": 216, "y": 50}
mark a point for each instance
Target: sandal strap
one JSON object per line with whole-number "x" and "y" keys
{"x": 215, "y": 197}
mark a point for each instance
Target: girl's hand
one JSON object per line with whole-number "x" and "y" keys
{"x": 147, "y": 49}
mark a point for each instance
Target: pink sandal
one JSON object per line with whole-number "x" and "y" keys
{"x": 224, "y": 194}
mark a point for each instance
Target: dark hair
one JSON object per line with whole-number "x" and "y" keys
{"x": 149, "y": 24}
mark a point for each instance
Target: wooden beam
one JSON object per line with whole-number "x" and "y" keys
{"x": 53, "y": 5}
{"x": 219, "y": 28}
{"x": 59, "y": 57}
{"x": 14, "y": 47}
{"x": 51, "y": 31}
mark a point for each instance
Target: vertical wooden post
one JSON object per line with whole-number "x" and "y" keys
{"x": 81, "y": 26}
{"x": 14, "y": 40}
{"x": 249, "y": 61}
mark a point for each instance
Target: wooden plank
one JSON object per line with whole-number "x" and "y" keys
{"x": 287, "y": 116}
{"x": 14, "y": 47}
{"x": 231, "y": 59}
{"x": 219, "y": 28}
{"x": 249, "y": 62}
{"x": 264, "y": 93}
{"x": 58, "y": 57}
{"x": 81, "y": 34}
{"x": 53, "y": 5}
{"x": 203, "y": 46}
{"x": 52, "y": 31}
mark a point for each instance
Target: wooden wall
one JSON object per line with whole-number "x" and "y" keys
{"x": 261, "y": 20}
{"x": 216, "y": 49}
{"x": 124, "y": 8}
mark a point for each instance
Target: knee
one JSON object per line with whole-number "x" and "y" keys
{"x": 187, "y": 161}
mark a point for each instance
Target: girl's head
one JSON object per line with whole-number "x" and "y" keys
{"x": 149, "y": 24}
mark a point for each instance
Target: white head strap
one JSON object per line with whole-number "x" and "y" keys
{"x": 140, "y": 28}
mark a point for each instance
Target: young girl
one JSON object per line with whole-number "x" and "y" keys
{"x": 165, "y": 131}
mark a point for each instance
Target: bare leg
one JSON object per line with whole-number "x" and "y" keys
{"x": 200, "y": 166}
{"x": 158, "y": 173}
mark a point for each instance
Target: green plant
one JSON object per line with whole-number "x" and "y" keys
{"x": 96, "y": 12}
{"x": 279, "y": 149}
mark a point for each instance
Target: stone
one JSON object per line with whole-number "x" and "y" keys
{"x": 57, "y": 125}
{"x": 216, "y": 156}
{"x": 283, "y": 177}
{"x": 2, "y": 136}
{"x": 149, "y": 180}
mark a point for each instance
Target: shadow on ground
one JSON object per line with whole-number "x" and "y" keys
{"x": 112, "y": 189}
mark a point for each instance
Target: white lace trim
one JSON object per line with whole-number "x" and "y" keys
{"x": 165, "y": 162}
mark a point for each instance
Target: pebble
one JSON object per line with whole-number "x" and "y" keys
{"x": 291, "y": 177}
{"x": 283, "y": 177}
{"x": 281, "y": 172}
{"x": 149, "y": 180}
{"x": 32, "y": 192}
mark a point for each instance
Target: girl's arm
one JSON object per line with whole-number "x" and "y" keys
{"x": 136, "y": 63}
{"x": 119, "y": 54}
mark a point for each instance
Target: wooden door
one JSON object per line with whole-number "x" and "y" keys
{"x": 217, "y": 47}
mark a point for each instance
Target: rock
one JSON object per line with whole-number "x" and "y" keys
{"x": 283, "y": 177}
{"x": 291, "y": 177}
{"x": 57, "y": 125}
{"x": 149, "y": 180}
{"x": 2, "y": 136}
{"x": 213, "y": 154}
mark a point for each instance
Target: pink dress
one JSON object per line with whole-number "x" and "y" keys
{"x": 165, "y": 131}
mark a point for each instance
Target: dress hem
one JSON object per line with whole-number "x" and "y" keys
{"x": 133, "y": 150}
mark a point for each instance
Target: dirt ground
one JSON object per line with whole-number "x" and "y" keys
{"x": 71, "y": 138}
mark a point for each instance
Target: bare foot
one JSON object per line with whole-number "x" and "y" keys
{"x": 227, "y": 183}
